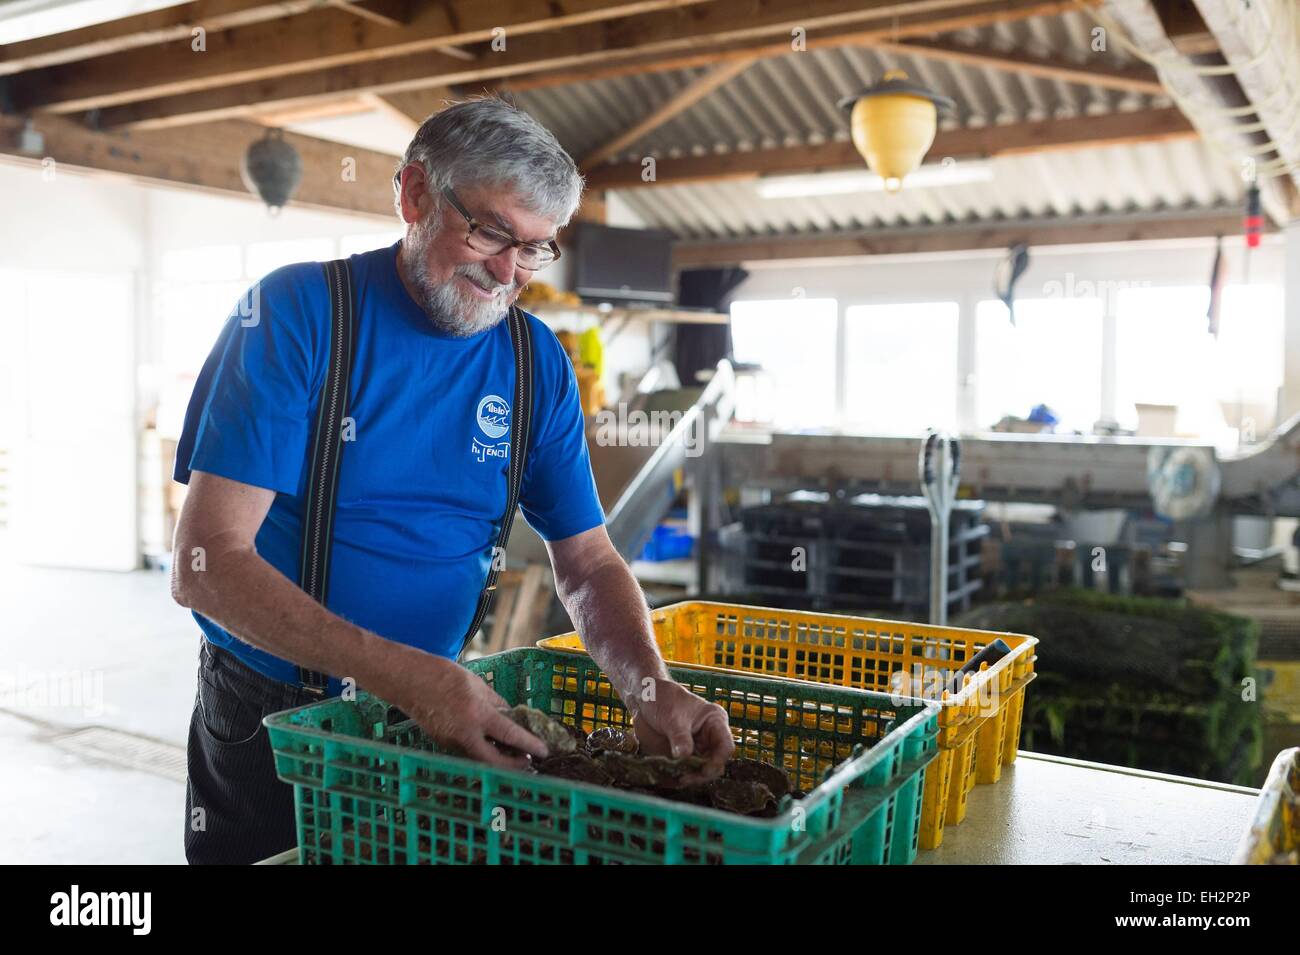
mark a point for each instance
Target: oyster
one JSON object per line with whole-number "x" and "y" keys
{"x": 557, "y": 737}
{"x": 742, "y": 796}
{"x": 577, "y": 766}
{"x": 579, "y": 736}
{"x": 697, "y": 795}
{"x": 614, "y": 739}
{"x": 649, "y": 772}
{"x": 756, "y": 771}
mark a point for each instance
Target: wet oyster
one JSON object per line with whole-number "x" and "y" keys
{"x": 579, "y": 735}
{"x": 614, "y": 739}
{"x": 577, "y": 766}
{"x": 756, "y": 771}
{"x": 650, "y": 772}
{"x": 742, "y": 796}
{"x": 553, "y": 733}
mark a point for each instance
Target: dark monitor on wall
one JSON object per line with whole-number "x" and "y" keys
{"x": 624, "y": 266}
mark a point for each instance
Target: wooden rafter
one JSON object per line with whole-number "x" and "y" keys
{"x": 389, "y": 13}
{"x": 412, "y": 108}
{"x": 320, "y": 41}
{"x": 349, "y": 106}
{"x": 980, "y": 13}
{"x": 167, "y": 25}
{"x": 959, "y": 237}
{"x": 207, "y": 158}
{"x": 1110, "y": 129}
{"x": 587, "y": 49}
{"x": 679, "y": 102}
{"x": 1134, "y": 80}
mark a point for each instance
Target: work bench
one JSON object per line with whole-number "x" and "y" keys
{"x": 1056, "y": 811}
{"x": 1048, "y": 810}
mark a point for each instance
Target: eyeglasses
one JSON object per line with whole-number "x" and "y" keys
{"x": 489, "y": 241}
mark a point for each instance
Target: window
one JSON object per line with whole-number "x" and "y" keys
{"x": 1166, "y": 355}
{"x": 1163, "y": 343}
{"x": 1051, "y": 356}
{"x": 901, "y": 367}
{"x": 794, "y": 342}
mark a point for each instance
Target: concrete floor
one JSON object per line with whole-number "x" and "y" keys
{"x": 97, "y": 678}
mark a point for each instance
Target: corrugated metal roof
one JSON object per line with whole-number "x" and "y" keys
{"x": 790, "y": 101}
{"x": 1151, "y": 176}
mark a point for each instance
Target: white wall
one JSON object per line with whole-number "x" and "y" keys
{"x": 57, "y": 219}
{"x": 71, "y": 255}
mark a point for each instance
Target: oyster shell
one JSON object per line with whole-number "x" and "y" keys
{"x": 614, "y": 739}
{"x": 578, "y": 766}
{"x": 557, "y": 737}
{"x": 756, "y": 771}
{"x": 742, "y": 796}
{"x": 649, "y": 772}
{"x": 579, "y": 736}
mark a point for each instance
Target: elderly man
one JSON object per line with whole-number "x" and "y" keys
{"x": 354, "y": 448}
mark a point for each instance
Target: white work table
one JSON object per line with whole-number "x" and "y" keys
{"x": 1048, "y": 810}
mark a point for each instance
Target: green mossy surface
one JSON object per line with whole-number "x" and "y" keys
{"x": 1144, "y": 682}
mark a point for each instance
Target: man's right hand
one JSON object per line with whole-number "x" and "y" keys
{"x": 460, "y": 711}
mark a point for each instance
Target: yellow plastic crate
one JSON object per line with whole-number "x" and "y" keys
{"x": 979, "y": 727}
{"x": 1274, "y": 833}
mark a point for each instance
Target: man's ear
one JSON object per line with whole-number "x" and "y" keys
{"x": 415, "y": 193}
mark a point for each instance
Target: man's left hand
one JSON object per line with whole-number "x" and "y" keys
{"x": 678, "y": 723}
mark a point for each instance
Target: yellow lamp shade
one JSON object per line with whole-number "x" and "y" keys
{"x": 893, "y": 125}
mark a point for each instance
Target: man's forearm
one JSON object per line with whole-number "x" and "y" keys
{"x": 248, "y": 597}
{"x": 609, "y": 610}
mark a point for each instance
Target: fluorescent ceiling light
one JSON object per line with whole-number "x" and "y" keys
{"x": 863, "y": 180}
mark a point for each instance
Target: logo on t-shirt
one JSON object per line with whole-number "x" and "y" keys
{"x": 493, "y": 421}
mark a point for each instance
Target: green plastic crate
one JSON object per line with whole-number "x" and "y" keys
{"x": 371, "y": 788}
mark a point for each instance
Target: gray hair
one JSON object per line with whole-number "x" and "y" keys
{"x": 488, "y": 142}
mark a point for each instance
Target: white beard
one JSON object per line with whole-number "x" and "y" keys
{"x": 448, "y": 306}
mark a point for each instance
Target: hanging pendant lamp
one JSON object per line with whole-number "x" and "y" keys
{"x": 272, "y": 169}
{"x": 893, "y": 125}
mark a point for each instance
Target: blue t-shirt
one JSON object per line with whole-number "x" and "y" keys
{"x": 422, "y": 482}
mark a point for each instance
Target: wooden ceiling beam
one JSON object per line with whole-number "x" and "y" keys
{"x": 207, "y": 158}
{"x": 167, "y": 25}
{"x": 389, "y": 13}
{"x": 584, "y": 52}
{"x": 1110, "y": 129}
{"x": 414, "y": 107}
{"x": 676, "y": 104}
{"x": 961, "y": 237}
{"x": 980, "y": 13}
{"x": 322, "y": 40}
{"x": 1136, "y": 80}
{"x": 349, "y": 106}
{"x": 1185, "y": 27}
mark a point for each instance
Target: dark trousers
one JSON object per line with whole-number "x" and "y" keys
{"x": 236, "y": 810}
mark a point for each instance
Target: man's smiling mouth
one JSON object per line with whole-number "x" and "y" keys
{"x": 483, "y": 290}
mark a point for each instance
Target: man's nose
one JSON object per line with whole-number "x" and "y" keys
{"x": 502, "y": 265}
